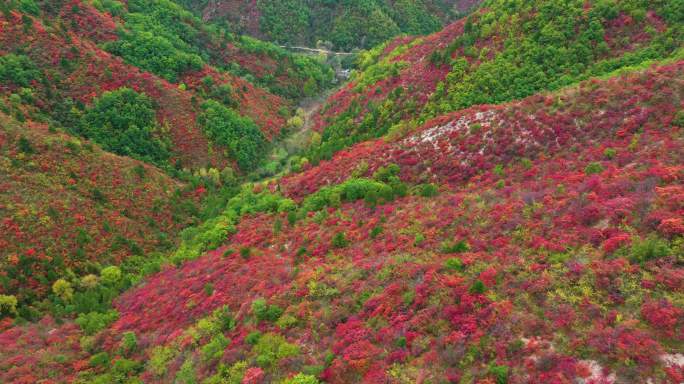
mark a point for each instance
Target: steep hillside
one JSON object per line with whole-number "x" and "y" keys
{"x": 68, "y": 207}
{"x": 504, "y": 51}
{"x": 143, "y": 80}
{"x": 59, "y": 57}
{"x": 537, "y": 241}
{"x": 500, "y": 202}
{"x": 346, "y": 25}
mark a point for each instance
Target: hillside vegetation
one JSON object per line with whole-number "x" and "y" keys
{"x": 499, "y": 202}
{"x": 61, "y": 59}
{"x": 454, "y": 253}
{"x": 142, "y": 80}
{"x": 346, "y": 25}
{"x": 69, "y": 207}
{"x": 505, "y": 51}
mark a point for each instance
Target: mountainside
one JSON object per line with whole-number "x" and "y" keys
{"x": 158, "y": 49}
{"x": 145, "y": 80}
{"x": 502, "y": 52}
{"x": 346, "y": 25}
{"x": 498, "y": 202}
{"x": 418, "y": 284}
{"x": 67, "y": 205}
{"x": 547, "y": 258}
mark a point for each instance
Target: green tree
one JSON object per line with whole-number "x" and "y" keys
{"x": 93, "y": 322}
{"x": 8, "y": 305}
{"x": 271, "y": 348}
{"x": 111, "y": 275}
{"x": 284, "y": 21}
{"x": 340, "y": 240}
{"x": 62, "y": 289}
{"x": 365, "y": 25}
{"x": 124, "y": 122}
{"x": 129, "y": 343}
{"x": 264, "y": 312}
{"x": 18, "y": 70}
{"x": 246, "y": 143}
{"x": 301, "y": 378}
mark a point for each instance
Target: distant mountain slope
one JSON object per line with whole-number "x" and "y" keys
{"x": 502, "y": 52}
{"x": 347, "y": 25}
{"x": 167, "y": 54}
{"x": 546, "y": 248}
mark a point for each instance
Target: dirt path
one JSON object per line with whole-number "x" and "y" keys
{"x": 311, "y": 106}
{"x": 297, "y": 139}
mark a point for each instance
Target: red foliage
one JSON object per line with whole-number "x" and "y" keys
{"x": 626, "y": 342}
{"x": 550, "y": 286}
{"x": 665, "y": 317}
{"x": 65, "y": 213}
{"x": 254, "y": 102}
{"x": 615, "y": 242}
{"x": 672, "y": 227}
{"x": 253, "y": 376}
{"x": 41, "y": 350}
{"x": 88, "y": 22}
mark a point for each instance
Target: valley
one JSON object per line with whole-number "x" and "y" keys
{"x": 492, "y": 194}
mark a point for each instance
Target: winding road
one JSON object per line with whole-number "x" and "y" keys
{"x": 308, "y": 49}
